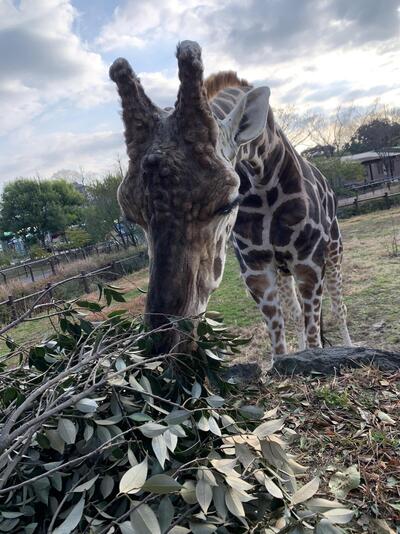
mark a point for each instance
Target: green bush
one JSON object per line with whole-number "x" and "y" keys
{"x": 5, "y": 259}
{"x": 37, "y": 252}
{"x": 101, "y": 435}
{"x": 77, "y": 237}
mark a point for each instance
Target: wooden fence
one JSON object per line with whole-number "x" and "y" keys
{"x": 12, "y": 307}
{"x": 356, "y": 201}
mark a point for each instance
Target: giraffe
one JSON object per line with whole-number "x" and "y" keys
{"x": 218, "y": 166}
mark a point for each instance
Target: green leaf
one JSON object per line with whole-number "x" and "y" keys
{"x": 151, "y": 430}
{"x": 212, "y": 355}
{"x": 133, "y": 480}
{"x": 86, "y": 405}
{"x": 326, "y": 527}
{"x": 203, "y": 494}
{"x": 92, "y": 306}
{"x": 139, "y": 417}
{"x": 339, "y": 515}
{"x": 55, "y": 440}
{"x": 215, "y": 401}
{"x": 213, "y": 426}
{"x": 272, "y": 488}
{"x": 106, "y": 486}
{"x": 73, "y": 518}
{"x": 116, "y": 313}
{"x": 161, "y": 484}
{"x": 86, "y": 485}
{"x": 11, "y": 515}
{"x": 342, "y": 482}
{"x": 233, "y": 503}
{"x": 188, "y": 492}
{"x": 30, "y": 529}
{"x": 219, "y": 501}
{"x": 160, "y": 449}
{"x": 177, "y": 416}
{"x": 244, "y": 455}
{"x": 144, "y": 520}
{"x": 67, "y": 430}
{"x": 110, "y": 421}
{"x": 9, "y": 525}
{"x": 251, "y": 412}
{"x": 196, "y": 390}
{"x": 171, "y": 440}
{"x": 305, "y": 492}
{"x": 268, "y": 428}
{"x": 88, "y": 432}
{"x": 165, "y": 513}
{"x": 202, "y": 424}
{"x": 126, "y": 528}
{"x": 322, "y": 505}
{"x": 198, "y": 527}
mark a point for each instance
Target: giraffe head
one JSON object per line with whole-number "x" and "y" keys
{"x": 181, "y": 186}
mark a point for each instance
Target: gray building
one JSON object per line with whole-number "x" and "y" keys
{"x": 378, "y": 166}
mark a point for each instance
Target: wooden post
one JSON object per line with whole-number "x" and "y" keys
{"x": 12, "y": 307}
{"x": 356, "y": 204}
{"x": 85, "y": 282}
{"x": 4, "y": 277}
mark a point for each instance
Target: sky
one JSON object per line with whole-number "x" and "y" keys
{"x": 59, "y": 111}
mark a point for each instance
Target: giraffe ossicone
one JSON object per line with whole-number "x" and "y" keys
{"x": 214, "y": 166}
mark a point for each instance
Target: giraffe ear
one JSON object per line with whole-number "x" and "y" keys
{"x": 248, "y": 118}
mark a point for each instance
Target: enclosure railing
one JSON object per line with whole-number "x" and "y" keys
{"x": 11, "y": 308}
{"x": 44, "y": 268}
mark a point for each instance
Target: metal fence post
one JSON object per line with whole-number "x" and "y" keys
{"x": 85, "y": 282}
{"x": 31, "y": 272}
{"x": 387, "y": 200}
{"x": 13, "y": 311}
{"x": 4, "y": 277}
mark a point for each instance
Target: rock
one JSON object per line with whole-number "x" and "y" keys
{"x": 327, "y": 361}
{"x": 242, "y": 373}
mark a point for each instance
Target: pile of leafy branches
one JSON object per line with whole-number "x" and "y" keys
{"x": 99, "y": 435}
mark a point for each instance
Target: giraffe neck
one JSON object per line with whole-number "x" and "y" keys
{"x": 271, "y": 163}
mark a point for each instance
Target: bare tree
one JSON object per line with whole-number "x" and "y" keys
{"x": 294, "y": 124}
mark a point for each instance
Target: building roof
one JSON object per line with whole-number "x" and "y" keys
{"x": 367, "y": 156}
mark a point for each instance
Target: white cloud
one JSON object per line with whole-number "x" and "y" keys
{"x": 138, "y": 23}
{"x": 43, "y": 61}
{"x": 44, "y": 155}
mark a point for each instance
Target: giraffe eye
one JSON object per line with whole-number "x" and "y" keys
{"x": 224, "y": 210}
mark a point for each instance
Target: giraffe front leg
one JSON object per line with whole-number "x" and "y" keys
{"x": 310, "y": 282}
{"x": 290, "y": 304}
{"x": 264, "y": 290}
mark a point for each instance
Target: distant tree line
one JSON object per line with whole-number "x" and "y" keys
{"x": 35, "y": 210}
{"x": 348, "y": 131}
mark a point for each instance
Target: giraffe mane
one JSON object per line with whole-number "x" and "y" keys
{"x": 222, "y": 80}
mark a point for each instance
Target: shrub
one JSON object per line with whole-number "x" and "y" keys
{"x": 37, "y": 252}
{"x": 77, "y": 237}
{"x": 101, "y": 435}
